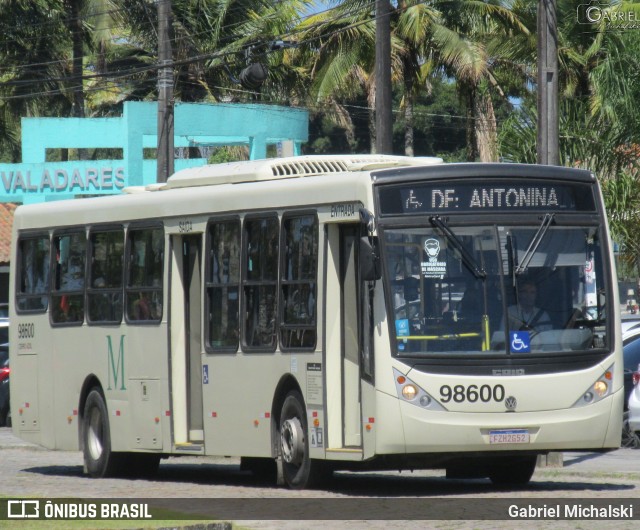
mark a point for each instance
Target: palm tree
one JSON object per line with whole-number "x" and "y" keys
{"x": 337, "y": 47}
{"x": 476, "y": 64}
{"x": 598, "y": 88}
{"x": 212, "y": 42}
{"x": 81, "y": 15}
{"x": 32, "y": 54}
{"x": 429, "y": 38}
{"x": 599, "y": 128}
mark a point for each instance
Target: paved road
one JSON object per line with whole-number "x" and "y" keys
{"x": 29, "y": 471}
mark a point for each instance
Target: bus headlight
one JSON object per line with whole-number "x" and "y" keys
{"x": 410, "y": 392}
{"x": 600, "y": 389}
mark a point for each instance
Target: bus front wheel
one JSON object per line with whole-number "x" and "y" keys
{"x": 299, "y": 470}
{"x": 99, "y": 460}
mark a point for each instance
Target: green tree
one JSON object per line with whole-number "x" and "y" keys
{"x": 597, "y": 85}
{"x": 32, "y": 55}
{"x": 213, "y": 41}
{"x": 336, "y": 47}
{"x": 429, "y": 40}
{"x": 454, "y": 38}
{"x": 599, "y": 128}
{"x": 622, "y": 200}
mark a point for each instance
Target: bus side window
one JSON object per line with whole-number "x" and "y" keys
{"x": 104, "y": 288}
{"x": 33, "y": 274}
{"x": 298, "y": 282}
{"x": 260, "y": 282}
{"x": 67, "y": 294}
{"x": 222, "y": 284}
{"x": 143, "y": 292}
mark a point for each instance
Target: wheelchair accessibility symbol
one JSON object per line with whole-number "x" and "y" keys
{"x": 520, "y": 342}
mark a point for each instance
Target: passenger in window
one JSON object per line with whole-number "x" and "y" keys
{"x": 525, "y": 315}
{"x": 142, "y": 307}
{"x": 73, "y": 279}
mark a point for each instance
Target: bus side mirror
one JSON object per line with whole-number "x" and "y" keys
{"x": 369, "y": 259}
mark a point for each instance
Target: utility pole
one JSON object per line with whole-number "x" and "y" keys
{"x": 548, "y": 124}
{"x": 165, "y": 93}
{"x": 383, "y": 78}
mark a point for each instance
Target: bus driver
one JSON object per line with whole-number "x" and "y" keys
{"x": 525, "y": 315}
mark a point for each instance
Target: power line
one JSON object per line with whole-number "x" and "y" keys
{"x": 201, "y": 57}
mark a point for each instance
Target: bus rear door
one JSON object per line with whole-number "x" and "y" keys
{"x": 186, "y": 347}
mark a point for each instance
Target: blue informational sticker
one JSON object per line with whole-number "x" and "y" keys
{"x": 205, "y": 374}
{"x": 520, "y": 342}
{"x": 402, "y": 327}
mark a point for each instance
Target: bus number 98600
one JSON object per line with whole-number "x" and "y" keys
{"x": 471, "y": 393}
{"x": 26, "y": 331}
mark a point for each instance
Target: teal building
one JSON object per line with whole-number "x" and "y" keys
{"x": 195, "y": 125}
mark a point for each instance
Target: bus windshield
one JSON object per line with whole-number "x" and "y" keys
{"x": 495, "y": 289}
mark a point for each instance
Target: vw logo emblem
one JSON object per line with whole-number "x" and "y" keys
{"x": 511, "y": 403}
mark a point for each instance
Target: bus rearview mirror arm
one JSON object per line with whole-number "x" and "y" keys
{"x": 369, "y": 259}
{"x": 370, "y": 270}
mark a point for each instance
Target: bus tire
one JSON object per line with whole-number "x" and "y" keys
{"x": 515, "y": 471}
{"x": 99, "y": 460}
{"x": 299, "y": 470}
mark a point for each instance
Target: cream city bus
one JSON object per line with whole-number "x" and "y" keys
{"x": 313, "y": 314}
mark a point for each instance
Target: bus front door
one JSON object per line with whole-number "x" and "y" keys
{"x": 350, "y": 326}
{"x": 344, "y": 425}
{"x": 186, "y": 347}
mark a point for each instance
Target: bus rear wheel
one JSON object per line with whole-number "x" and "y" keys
{"x": 99, "y": 460}
{"x": 299, "y": 470}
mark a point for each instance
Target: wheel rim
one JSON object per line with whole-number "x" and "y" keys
{"x": 292, "y": 441}
{"x": 94, "y": 435}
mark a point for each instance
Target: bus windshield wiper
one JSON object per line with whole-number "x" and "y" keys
{"x": 467, "y": 257}
{"x": 535, "y": 243}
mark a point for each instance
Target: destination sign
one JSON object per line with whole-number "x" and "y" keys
{"x": 503, "y": 196}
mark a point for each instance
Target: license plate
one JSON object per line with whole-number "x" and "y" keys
{"x": 509, "y": 436}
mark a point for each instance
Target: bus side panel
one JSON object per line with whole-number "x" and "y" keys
{"x": 72, "y": 355}
{"x": 32, "y": 385}
{"x": 237, "y": 401}
{"x": 146, "y": 374}
{"x": 146, "y": 418}
{"x": 25, "y": 402}
{"x": 120, "y": 420}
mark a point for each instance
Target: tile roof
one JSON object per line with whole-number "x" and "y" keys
{"x": 6, "y": 222}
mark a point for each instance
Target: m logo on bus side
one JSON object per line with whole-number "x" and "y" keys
{"x": 115, "y": 366}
